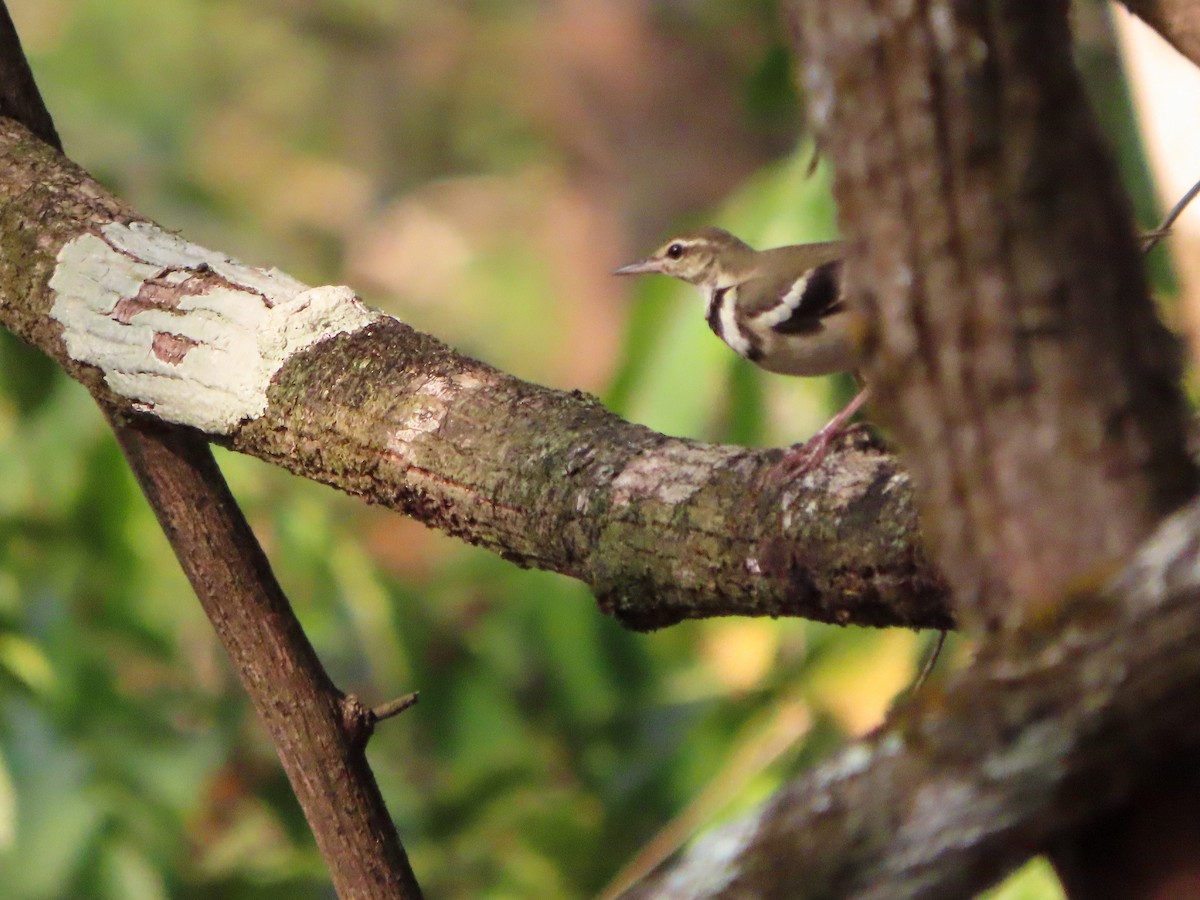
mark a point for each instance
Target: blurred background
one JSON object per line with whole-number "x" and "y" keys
{"x": 476, "y": 168}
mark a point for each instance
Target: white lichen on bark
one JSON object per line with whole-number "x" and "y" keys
{"x": 435, "y": 398}
{"x": 185, "y": 333}
{"x": 712, "y": 863}
{"x": 670, "y": 473}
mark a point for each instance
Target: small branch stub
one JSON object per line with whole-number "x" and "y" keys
{"x": 359, "y": 721}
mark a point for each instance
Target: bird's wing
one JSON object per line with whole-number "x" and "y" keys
{"x": 797, "y": 301}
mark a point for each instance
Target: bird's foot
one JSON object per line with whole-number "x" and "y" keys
{"x": 800, "y": 459}
{"x": 803, "y": 458}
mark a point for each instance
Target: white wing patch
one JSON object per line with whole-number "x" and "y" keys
{"x": 788, "y": 303}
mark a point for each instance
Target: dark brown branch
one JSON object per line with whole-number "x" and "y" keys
{"x": 661, "y": 529}
{"x": 20, "y": 99}
{"x": 1177, "y": 21}
{"x": 233, "y": 580}
{"x": 300, "y": 707}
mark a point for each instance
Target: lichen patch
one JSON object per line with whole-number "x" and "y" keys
{"x": 186, "y": 333}
{"x": 670, "y": 473}
{"x": 423, "y": 420}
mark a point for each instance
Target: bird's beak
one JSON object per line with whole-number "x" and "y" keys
{"x": 642, "y": 267}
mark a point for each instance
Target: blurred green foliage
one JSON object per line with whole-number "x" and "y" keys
{"x": 549, "y": 747}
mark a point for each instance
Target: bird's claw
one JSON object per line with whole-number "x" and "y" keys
{"x": 800, "y": 459}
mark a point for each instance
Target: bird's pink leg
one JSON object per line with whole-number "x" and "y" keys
{"x": 807, "y": 456}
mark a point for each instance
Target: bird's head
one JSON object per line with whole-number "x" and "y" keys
{"x": 706, "y": 258}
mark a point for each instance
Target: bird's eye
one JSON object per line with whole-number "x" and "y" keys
{"x": 675, "y": 251}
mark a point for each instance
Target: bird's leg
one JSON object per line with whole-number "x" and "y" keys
{"x": 807, "y": 456}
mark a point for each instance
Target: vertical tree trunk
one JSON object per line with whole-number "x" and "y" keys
{"x": 1012, "y": 342}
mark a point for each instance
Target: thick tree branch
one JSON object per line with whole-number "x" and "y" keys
{"x": 1035, "y": 391}
{"x": 661, "y": 529}
{"x": 1046, "y": 729}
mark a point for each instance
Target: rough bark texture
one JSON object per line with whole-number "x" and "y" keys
{"x": 1035, "y": 395}
{"x": 1046, "y": 729}
{"x": 661, "y": 529}
{"x": 1034, "y": 390}
{"x": 1032, "y": 387}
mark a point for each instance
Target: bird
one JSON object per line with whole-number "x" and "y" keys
{"x": 783, "y": 309}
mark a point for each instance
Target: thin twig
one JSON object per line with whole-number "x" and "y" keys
{"x": 930, "y": 662}
{"x": 1155, "y": 236}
